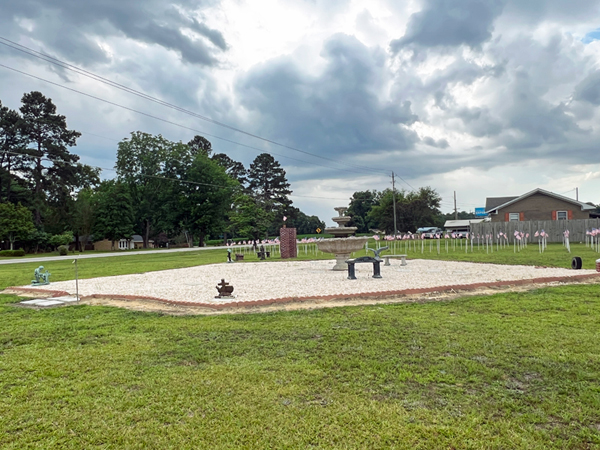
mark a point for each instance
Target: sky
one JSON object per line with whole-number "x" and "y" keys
{"x": 485, "y": 98}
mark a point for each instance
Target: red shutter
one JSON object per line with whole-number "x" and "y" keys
{"x": 506, "y": 217}
{"x": 553, "y": 215}
{"x": 570, "y": 215}
{"x": 521, "y": 217}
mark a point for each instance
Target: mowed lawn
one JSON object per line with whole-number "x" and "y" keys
{"x": 516, "y": 370}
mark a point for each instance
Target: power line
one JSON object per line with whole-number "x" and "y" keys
{"x": 170, "y": 122}
{"x": 55, "y": 61}
{"x": 174, "y": 179}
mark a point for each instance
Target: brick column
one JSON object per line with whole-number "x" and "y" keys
{"x": 287, "y": 242}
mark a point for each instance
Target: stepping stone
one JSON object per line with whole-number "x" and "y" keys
{"x": 64, "y": 299}
{"x": 42, "y": 302}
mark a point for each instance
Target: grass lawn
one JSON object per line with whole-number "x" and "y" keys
{"x": 516, "y": 370}
{"x": 22, "y": 273}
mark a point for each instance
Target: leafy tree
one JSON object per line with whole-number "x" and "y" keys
{"x": 140, "y": 165}
{"x": 83, "y": 216}
{"x": 12, "y": 147}
{"x": 308, "y": 224}
{"x": 413, "y": 210}
{"x": 248, "y": 218}
{"x": 361, "y": 204}
{"x": 199, "y": 144}
{"x": 381, "y": 215}
{"x": 206, "y": 198}
{"x": 47, "y": 132}
{"x": 15, "y": 222}
{"x": 234, "y": 169}
{"x": 61, "y": 239}
{"x": 268, "y": 184}
{"x": 39, "y": 239}
{"x": 114, "y": 212}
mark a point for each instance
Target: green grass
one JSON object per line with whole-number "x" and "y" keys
{"x": 61, "y": 270}
{"x": 516, "y": 370}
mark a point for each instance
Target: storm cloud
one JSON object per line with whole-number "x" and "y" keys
{"x": 76, "y": 30}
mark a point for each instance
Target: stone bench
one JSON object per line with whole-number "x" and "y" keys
{"x": 387, "y": 259}
{"x": 363, "y": 259}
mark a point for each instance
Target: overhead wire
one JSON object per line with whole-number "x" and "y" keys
{"x": 173, "y": 179}
{"x": 171, "y": 122}
{"x": 65, "y": 65}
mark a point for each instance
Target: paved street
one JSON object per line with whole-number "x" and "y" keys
{"x": 110, "y": 255}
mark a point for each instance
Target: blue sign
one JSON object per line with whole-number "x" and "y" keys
{"x": 480, "y": 212}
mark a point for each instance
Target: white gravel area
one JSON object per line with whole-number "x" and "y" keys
{"x": 269, "y": 280}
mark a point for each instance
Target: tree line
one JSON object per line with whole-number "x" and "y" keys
{"x": 374, "y": 210}
{"x": 162, "y": 188}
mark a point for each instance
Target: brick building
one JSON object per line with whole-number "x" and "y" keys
{"x": 536, "y": 205}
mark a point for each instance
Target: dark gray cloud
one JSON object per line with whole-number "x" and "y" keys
{"x": 339, "y": 111}
{"x": 450, "y": 23}
{"x": 72, "y": 28}
{"x": 588, "y": 90}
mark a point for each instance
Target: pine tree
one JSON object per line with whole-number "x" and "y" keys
{"x": 49, "y": 137}
{"x": 12, "y": 146}
{"x": 268, "y": 184}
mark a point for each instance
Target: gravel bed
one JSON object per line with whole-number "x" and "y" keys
{"x": 270, "y": 280}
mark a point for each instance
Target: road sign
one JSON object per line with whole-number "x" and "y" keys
{"x": 318, "y": 230}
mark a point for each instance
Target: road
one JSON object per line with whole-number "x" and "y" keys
{"x": 110, "y": 255}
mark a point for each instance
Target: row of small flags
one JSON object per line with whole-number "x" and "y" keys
{"x": 519, "y": 235}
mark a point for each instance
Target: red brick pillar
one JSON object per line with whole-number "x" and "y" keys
{"x": 287, "y": 242}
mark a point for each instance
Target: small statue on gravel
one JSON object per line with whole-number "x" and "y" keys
{"x": 41, "y": 278}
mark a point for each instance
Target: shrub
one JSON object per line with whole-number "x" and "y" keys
{"x": 63, "y": 250}
{"x": 12, "y": 253}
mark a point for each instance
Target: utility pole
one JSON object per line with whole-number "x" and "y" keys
{"x": 455, "y": 210}
{"x": 394, "y": 201}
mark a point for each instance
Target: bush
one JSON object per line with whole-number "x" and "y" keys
{"x": 63, "y": 250}
{"x": 12, "y": 253}
{"x": 61, "y": 239}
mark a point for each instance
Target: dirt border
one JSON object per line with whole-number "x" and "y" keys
{"x": 322, "y": 301}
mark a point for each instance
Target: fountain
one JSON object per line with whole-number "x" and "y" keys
{"x": 342, "y": 245}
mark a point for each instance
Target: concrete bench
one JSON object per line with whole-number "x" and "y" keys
{"x": 387, "y": 259}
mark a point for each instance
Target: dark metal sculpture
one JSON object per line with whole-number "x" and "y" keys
{"x": 225, "y": 290}
{"x": 378, "y": 251}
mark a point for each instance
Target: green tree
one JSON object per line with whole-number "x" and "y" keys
{"x": 248, "y": 218}
{"x": 199, "y": 144}
{"x": 15, "y": 222}
{"x": 47, "y": 132}
{"x": 413, "y": 210}
{"x": 206, "y": 198}
{"x": 141, "y": 162}
{"x": 114, "y": 212}
{"x": 84, "y": 216}
{"x": 12, "y": 148}
{"x": 361, "y": 204}
{"x": 234, "y": 169}
{"x": 268, "y": 184}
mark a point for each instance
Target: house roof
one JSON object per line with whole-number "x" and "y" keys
{"x": 494, "y": 202}
{"x": 510, "y": 200}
